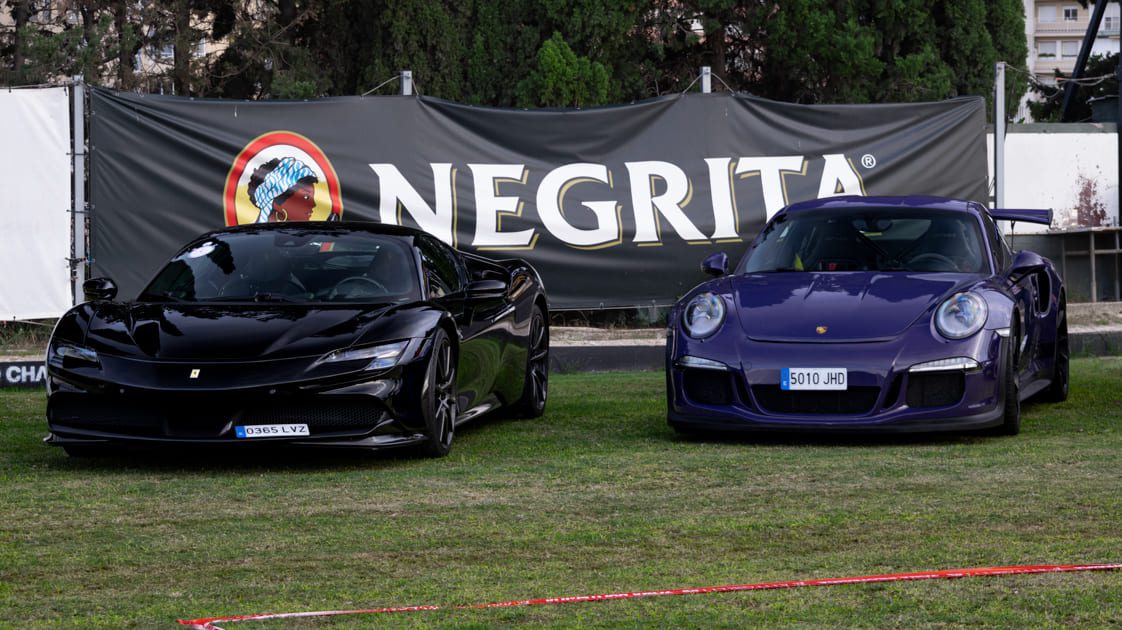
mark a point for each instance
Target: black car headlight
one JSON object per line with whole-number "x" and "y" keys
{"x": 703, "y": 315}
{"x": 380, "y": 357}
{"x": 63, "y": 354}
{"x": 961, "y": 316}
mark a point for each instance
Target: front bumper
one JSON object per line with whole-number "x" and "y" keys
{"x": 348, "y": 409}
{"x": 882, "y": 395}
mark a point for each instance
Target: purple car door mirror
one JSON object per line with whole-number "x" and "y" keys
{"x": 716, "y": 265}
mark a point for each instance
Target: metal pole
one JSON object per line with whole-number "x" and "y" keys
{"x": 1084, "y": 55}
{"x": 999, "y": 135}
{"x": 1091, "y": 257}
{"x": 78, "y": 212}
{"x": 706, "y": 80}
{"x": 406, "y": 82}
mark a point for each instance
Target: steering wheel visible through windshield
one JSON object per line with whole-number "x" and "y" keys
{"x": 869, "y": 239}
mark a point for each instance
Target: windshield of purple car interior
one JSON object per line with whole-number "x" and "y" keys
{"x": 290, "y": 266}
{"x": 869, "y": 239}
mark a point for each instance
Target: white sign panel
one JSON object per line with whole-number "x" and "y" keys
{"x": 34, "y": 217}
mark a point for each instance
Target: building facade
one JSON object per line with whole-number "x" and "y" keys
{"x": 1055, "y": 32}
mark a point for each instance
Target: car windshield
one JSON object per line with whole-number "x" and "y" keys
{"x": 869, "y": 239}
{"x": 289, "y": 266}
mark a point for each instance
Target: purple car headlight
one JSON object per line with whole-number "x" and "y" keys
{"x": 703, "y": 315}
{"x": 961, "y": 316}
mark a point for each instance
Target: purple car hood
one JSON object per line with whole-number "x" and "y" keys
{"x": 850, "y": 306}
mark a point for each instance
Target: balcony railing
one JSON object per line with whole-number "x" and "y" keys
{"x": 1063, "y": 27}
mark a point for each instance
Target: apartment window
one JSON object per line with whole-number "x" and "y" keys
{"x": 1070, "y": 50}
{"x": 1045, "y": 49}
{"x": 1110, "y": 23}
{"x": 1046, "y": 13}
{"x": 1071, "y": 14}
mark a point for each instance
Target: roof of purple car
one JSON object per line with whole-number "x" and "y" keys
{"x": 909, "y": 201}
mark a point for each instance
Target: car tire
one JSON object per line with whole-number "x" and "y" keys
{"x": 1011, "y": 415}
{"x": 1061, "y": 373}
{"x": 535, "y": 388}
{"x": 438, "y": 397}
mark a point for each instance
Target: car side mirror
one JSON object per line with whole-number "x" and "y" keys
{"x": 1024, "y": 263}
{"x": 99, "y": 289}
{"x": 481, "y": 289}
{"x": 716, "y": 265}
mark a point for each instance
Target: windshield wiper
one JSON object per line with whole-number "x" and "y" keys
{"x": 274, "y": 297}
{"x": 160, "y": 297}
{"x": 256, "y": 297}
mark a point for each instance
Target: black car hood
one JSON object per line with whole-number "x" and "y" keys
{"x": 165, "y": 331}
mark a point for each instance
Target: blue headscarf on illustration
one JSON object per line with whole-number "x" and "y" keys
{"x": 274, "y": 180}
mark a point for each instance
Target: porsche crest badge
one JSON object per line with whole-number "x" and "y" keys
{"x": 821, "y": 330}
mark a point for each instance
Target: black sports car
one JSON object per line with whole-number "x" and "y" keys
{"x": 329, "y": 334}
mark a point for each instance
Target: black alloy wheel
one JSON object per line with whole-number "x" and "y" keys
{"x": 1061, "y": 373}
{"x": 535, "y": 391}
{"x": 438, "y": 398}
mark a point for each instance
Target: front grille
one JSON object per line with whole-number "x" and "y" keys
{"x": 212, "y": 416}
{"x": 935, "y": 389}
{"x": 855, "y": 400}
{"x": 317, "y": 414}
{"x": 707, "y": 387}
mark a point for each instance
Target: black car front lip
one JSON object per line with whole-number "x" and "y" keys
{"x": 76, "y": 436}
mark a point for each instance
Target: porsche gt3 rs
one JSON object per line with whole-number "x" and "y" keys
{"x": 870, "y": 313}
{"x": 329, "y": 334}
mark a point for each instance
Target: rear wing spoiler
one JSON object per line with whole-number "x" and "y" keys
{"x": 1044, "y": 217}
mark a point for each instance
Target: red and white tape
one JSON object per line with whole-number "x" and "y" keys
{"x": 208, "y": 623}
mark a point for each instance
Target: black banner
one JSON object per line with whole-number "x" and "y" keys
{"x": 615, "y": 206}
{"x": 23, "y": 373}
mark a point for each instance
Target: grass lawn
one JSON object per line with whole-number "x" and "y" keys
{"x": 597, "y": 496}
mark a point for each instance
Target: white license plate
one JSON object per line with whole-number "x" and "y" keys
{"x": 271, "y": 430}
{"x": 813, "y": 378}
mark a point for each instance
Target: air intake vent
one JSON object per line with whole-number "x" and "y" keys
{"x": 853, "y": 401}
{"x": 707, "y": 387}
{"x": 935, "y": 389}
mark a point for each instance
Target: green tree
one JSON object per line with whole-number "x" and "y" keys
{"x": 1100, "y": 79}
{"x": 562, "y": 79}
{"x": 832, "y": 51}
{"x": 50, "y": 45}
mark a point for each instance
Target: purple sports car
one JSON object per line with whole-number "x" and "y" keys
{"x": 870, "y": 313}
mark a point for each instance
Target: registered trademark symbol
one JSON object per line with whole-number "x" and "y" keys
{"x": 868, "y": 161}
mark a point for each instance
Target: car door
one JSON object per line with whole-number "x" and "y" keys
{"x": 480, "y": 350}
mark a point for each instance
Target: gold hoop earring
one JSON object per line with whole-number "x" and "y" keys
{"x": 283, "y": 214}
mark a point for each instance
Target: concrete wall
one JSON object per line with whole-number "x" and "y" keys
{"x": 1063, "y": 167}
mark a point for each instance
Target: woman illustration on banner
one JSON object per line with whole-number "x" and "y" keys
{"x": 283, "y": 189}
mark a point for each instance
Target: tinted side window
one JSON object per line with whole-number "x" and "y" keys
{"x": 441, "y": 267}
{"x": 1001, "y": 255}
